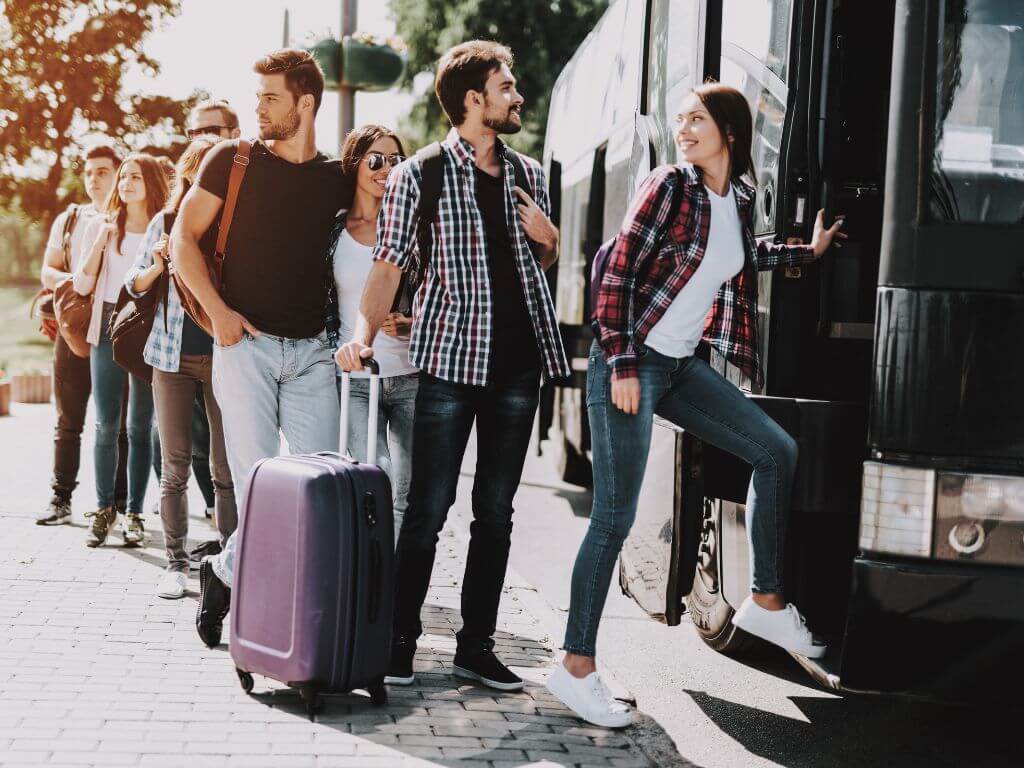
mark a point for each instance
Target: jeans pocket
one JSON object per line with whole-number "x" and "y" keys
{"x": 598, "y": 375}
{"x": 238, "y": 343}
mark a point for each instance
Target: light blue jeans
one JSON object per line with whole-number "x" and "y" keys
{"x": 267, "y": 386}
{"x": 687, "y": 392}
{"x": 394, "y": 432}
{"x": 108, "y": 380}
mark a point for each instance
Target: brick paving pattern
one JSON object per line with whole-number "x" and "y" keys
{"x": 96, "y": 670}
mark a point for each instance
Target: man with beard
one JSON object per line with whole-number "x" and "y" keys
{"x": 483, "y": 335}
{"x": 272, "y": 367}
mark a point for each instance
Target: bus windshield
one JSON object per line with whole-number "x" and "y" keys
{"x": 978, "y": 167}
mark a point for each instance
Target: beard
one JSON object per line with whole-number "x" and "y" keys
{"x": 283, "y": 130}
{"x": 506, "y": 123}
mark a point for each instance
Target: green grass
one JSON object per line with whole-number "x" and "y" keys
{"x": 22, "y": 346}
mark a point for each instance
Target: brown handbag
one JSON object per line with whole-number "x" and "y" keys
{"x": 42, "y": 303}
{"x": 74, "y": 311}
{"x": 132, "y": 322}
{"x": 215, "y": 263}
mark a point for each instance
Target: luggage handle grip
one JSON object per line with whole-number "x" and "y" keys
{"x": 371, "y": 429}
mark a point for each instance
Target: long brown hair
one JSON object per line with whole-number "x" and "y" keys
{"x": 187, "y": 169}
{"x": 731, "y": 112}
{"x": 153, "y": 179}
{"x": 357, "y": 144}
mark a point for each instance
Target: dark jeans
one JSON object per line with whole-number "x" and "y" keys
{"x": 445, "y": 414}
{"x": 72, "y": 385}
{"x": 200, "y": 450}
{"x": 688, "y": 393}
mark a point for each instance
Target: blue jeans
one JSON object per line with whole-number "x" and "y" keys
{"x": 691, "y": 395}
{"x": 267, "y": 386}
{"x": 445, "y": 413}
{"x": 394, "y": 432}
{"x": 108, "y": 380}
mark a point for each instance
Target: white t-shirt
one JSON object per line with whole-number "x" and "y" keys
{"x": 85, "y": 212}
{"x": 116, "y": 261}
{"x": 352, "y": 264}
{"x": 679, "y": 330}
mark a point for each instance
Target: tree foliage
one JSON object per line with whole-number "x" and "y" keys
{"x": 62, "y": 63}
{"x": 543, "y": 35}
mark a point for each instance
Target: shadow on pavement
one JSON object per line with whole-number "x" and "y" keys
{"x": 856, "y": 732}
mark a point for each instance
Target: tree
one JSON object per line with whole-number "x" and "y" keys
{"x": 543, "y": 35}
{"x": 62, "y": 65}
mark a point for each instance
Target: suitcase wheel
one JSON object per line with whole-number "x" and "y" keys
{"x": 378, "y": 693}
{"x": 312, "y": 700}
{"x": 245, "y": 679}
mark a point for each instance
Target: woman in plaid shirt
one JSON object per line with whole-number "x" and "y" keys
{"x": 682, "y": 270}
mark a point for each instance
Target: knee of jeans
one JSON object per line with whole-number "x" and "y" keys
{"x": 787, "y": 451}
{"x": 106, "y": 432}
{"x": 614, "y": 525}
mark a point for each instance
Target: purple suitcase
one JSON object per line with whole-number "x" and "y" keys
{"x": 312, "y": 601}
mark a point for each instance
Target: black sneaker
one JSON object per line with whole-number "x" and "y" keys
{"x": 58, "y": 513}
{"x": 482, "y": 666}
{"x": 400, "y": 668}
{"x": 214, "y": 602}
{"x": 206, "y": 549}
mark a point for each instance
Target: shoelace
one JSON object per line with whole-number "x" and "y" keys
{"x": 602, "y": 692}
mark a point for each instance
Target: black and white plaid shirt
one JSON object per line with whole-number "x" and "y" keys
{"x": 451, "y": 333}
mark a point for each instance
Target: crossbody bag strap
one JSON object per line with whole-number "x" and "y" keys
{"x": 69, "y": 227}
{"x": 169, "y": 217}
{"x": 239, "y": 165}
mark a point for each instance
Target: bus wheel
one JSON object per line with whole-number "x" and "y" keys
{"x": 573, "y": 467}
{"x": 711, "y": 614}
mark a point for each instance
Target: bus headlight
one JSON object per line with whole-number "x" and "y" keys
{"x": 897, "y": 509}
{"x": 980, "y": 518}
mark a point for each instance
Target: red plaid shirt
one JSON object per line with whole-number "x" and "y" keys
{"x": 654, "y": 257}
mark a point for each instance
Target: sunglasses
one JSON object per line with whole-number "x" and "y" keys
{"x": 375, "y": 160}
{"x": 211, "y": 129}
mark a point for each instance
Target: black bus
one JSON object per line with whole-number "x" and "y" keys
{"x": 896, "y": 362}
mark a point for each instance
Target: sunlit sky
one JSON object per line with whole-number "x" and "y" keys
{"x": 213, "y": 43}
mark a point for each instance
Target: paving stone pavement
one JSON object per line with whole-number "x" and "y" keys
{"x": 96, "y": 670}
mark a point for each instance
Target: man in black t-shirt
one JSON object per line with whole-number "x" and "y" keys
{"x": 272, "y": 360}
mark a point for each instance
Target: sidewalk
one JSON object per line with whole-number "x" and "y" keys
{"x": 95, "y": 670}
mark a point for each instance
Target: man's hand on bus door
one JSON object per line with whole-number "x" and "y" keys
{"x": 823, "y": 238}
{"x": 626, "y": 395}
{"x": 538, "y": 227}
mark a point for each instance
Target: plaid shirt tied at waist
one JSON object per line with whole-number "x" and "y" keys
{"x": 451, "y": 333}
{"x": 658, "y": 250}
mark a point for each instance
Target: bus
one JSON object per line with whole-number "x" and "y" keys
{"x": 895, "y": 362}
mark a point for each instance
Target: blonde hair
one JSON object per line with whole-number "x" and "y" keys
{"x": 187, "y": 169}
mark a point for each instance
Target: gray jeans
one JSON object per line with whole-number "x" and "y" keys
{"x": 394, "y": 432}
{"x": 174, "y": 395}
{"x": 268, "y": 386}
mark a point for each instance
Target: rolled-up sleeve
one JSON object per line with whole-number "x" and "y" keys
{"x": 397, "y": 220}
{"x": 144, "y": 259}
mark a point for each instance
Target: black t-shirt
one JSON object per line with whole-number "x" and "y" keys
{"x": 194, "y": 340}
{"x": 514, "y": 342}
{"x": 276, "y": 270}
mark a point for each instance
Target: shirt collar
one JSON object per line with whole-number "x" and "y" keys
{"x": 463, "y": 151}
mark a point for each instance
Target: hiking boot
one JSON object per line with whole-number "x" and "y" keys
{"x": 102, "y": 521}
{"x": 133, "y": 531}
{"x": 206, "y": 549}
{"x": 482, "y": 666}
{"x": 214, "y": 602}
{"x": 400, "y": 667}
{"x": 58, "y": 513}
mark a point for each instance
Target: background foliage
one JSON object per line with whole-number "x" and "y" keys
{"x": 543, "y": 35}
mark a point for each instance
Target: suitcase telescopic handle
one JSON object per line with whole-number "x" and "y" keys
{"x": 346, "y": 392}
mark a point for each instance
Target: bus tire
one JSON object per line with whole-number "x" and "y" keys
{"x": 711, "y": 614}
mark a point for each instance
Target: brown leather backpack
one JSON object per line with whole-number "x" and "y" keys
{"x": 215, "y": 263}
{"x": 74, "y": 311}
{"x": 42, "y": 303}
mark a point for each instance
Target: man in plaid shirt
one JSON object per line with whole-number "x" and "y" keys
{"x": 483, "y": 335}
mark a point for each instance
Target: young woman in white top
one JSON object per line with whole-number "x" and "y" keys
{"x": 369, "y": 154}
{"x": 140, "y": 192}
{"x": 682, "y": 270}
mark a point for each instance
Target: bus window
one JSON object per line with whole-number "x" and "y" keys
{"x": 672, "y": 67}
{"x": 978, "y": 167}
{"x": 761, "y": 28}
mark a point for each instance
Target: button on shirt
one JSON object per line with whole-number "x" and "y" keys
{"x": 452, "y": 332}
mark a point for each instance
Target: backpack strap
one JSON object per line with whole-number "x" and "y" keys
{"x": 238, "y": 167}
{"x": 519, "y": 171}
{"x": 431, "y": 159}
{"x": 169, "y": 217}
{"x": 69, "y": 227}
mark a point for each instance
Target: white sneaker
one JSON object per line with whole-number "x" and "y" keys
{"x": 589, "y": 698}
{"x": 172, "y": 585}
{"x": 786, "y": 628}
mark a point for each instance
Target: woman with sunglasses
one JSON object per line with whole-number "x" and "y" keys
{"x": 140, "y": 192}
{"x": 369, "y": 154}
